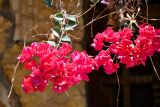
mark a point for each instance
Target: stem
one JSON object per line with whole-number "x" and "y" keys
{"x": 154, "y": 69}
{"x": 12, "y": 80}
{"x": 146, "y": 1}
{"x": 62, "y": 30}
{"x": 67, "y": 94}
{"x": 76, "y": 10}
{"x": 144, "y": 18}
{"x": 118, "y": 92}
{"x": 73, "y": 37}
{"x": 60, "y": 40}
{"x": 103, "y": 11}
{"x": 87, "y": 10}
{"x": 92, "y": 23}
{"x": 95, "y": 20}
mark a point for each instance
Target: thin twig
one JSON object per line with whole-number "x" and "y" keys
{"x": 92, "y": 19}
{"x": 95, "y": 20}
{"x": 104, "y": 10}
{"x": 67, "y": 94}
{"x": 77, "y": 9}
{"x": 12, "y": 80}
{"x": 146, "y": 1}
{"x": 73, "y": 37}
{"x": 119, "y": 87}
{"x": 87, "y": 10}
{"x": 154, "y": 69}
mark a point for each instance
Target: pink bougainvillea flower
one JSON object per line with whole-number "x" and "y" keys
{"x": 65, "y": 49}
{"x": 61, "y": 66}
{"x": 110, "y": 67}
{"x": 98, "y": 42}
{"x": 147, "y": 31}
{"x": 126, "y": 33}
{"x": 102, "y": 58}
{"x": 84, "y": 64}
{"x": 128, "y": 51}
{"x": 26, "y": 54}
{"x": 30, "y": 64}
{"x": 125, "y": 47}
{"x": 64, "y": 67}
{"x": 108, "y": 34}
{"x": 36, "y": 81}
{"x": 27, "y": 85}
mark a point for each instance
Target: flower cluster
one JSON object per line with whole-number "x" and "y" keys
{"x": 62, "y": 66}
{"x": 125, "y": 47}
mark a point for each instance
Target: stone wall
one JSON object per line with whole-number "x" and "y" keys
{"x": 28, "y": 14}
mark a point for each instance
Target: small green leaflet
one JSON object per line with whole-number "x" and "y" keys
{"x": 56, "y": 32}
{"x": 51, "y": 43}
{"x": 66, "y": 38}
{"x": 72, "y": 22}
{"x": 58, "y": 16}
{"x": 70, "y": 27}
{"x": 49, "y": 3}
{"x": 72, "y": 18}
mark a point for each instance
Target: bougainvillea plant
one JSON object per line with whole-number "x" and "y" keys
{"x": 125, "y": 51}
{"x": 60, "y": 65}
{"x": 55, "y": 61}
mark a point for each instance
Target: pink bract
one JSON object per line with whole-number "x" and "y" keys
{"x": 128, "y": 51}
{"x": 61, "y": 66}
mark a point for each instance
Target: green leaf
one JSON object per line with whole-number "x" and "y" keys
{"x": 72, "y": 18}
{"x": 70, "y": 25}
{"x": 52, "y": 43}
{"x": 94, "y": 1}
{"x": 57, "y": 23}
{"x": 58, "y": 17}
{"x": 66, "y": 38}
{"x": 56, "y": 32}
{"x": 48, "y": 3}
